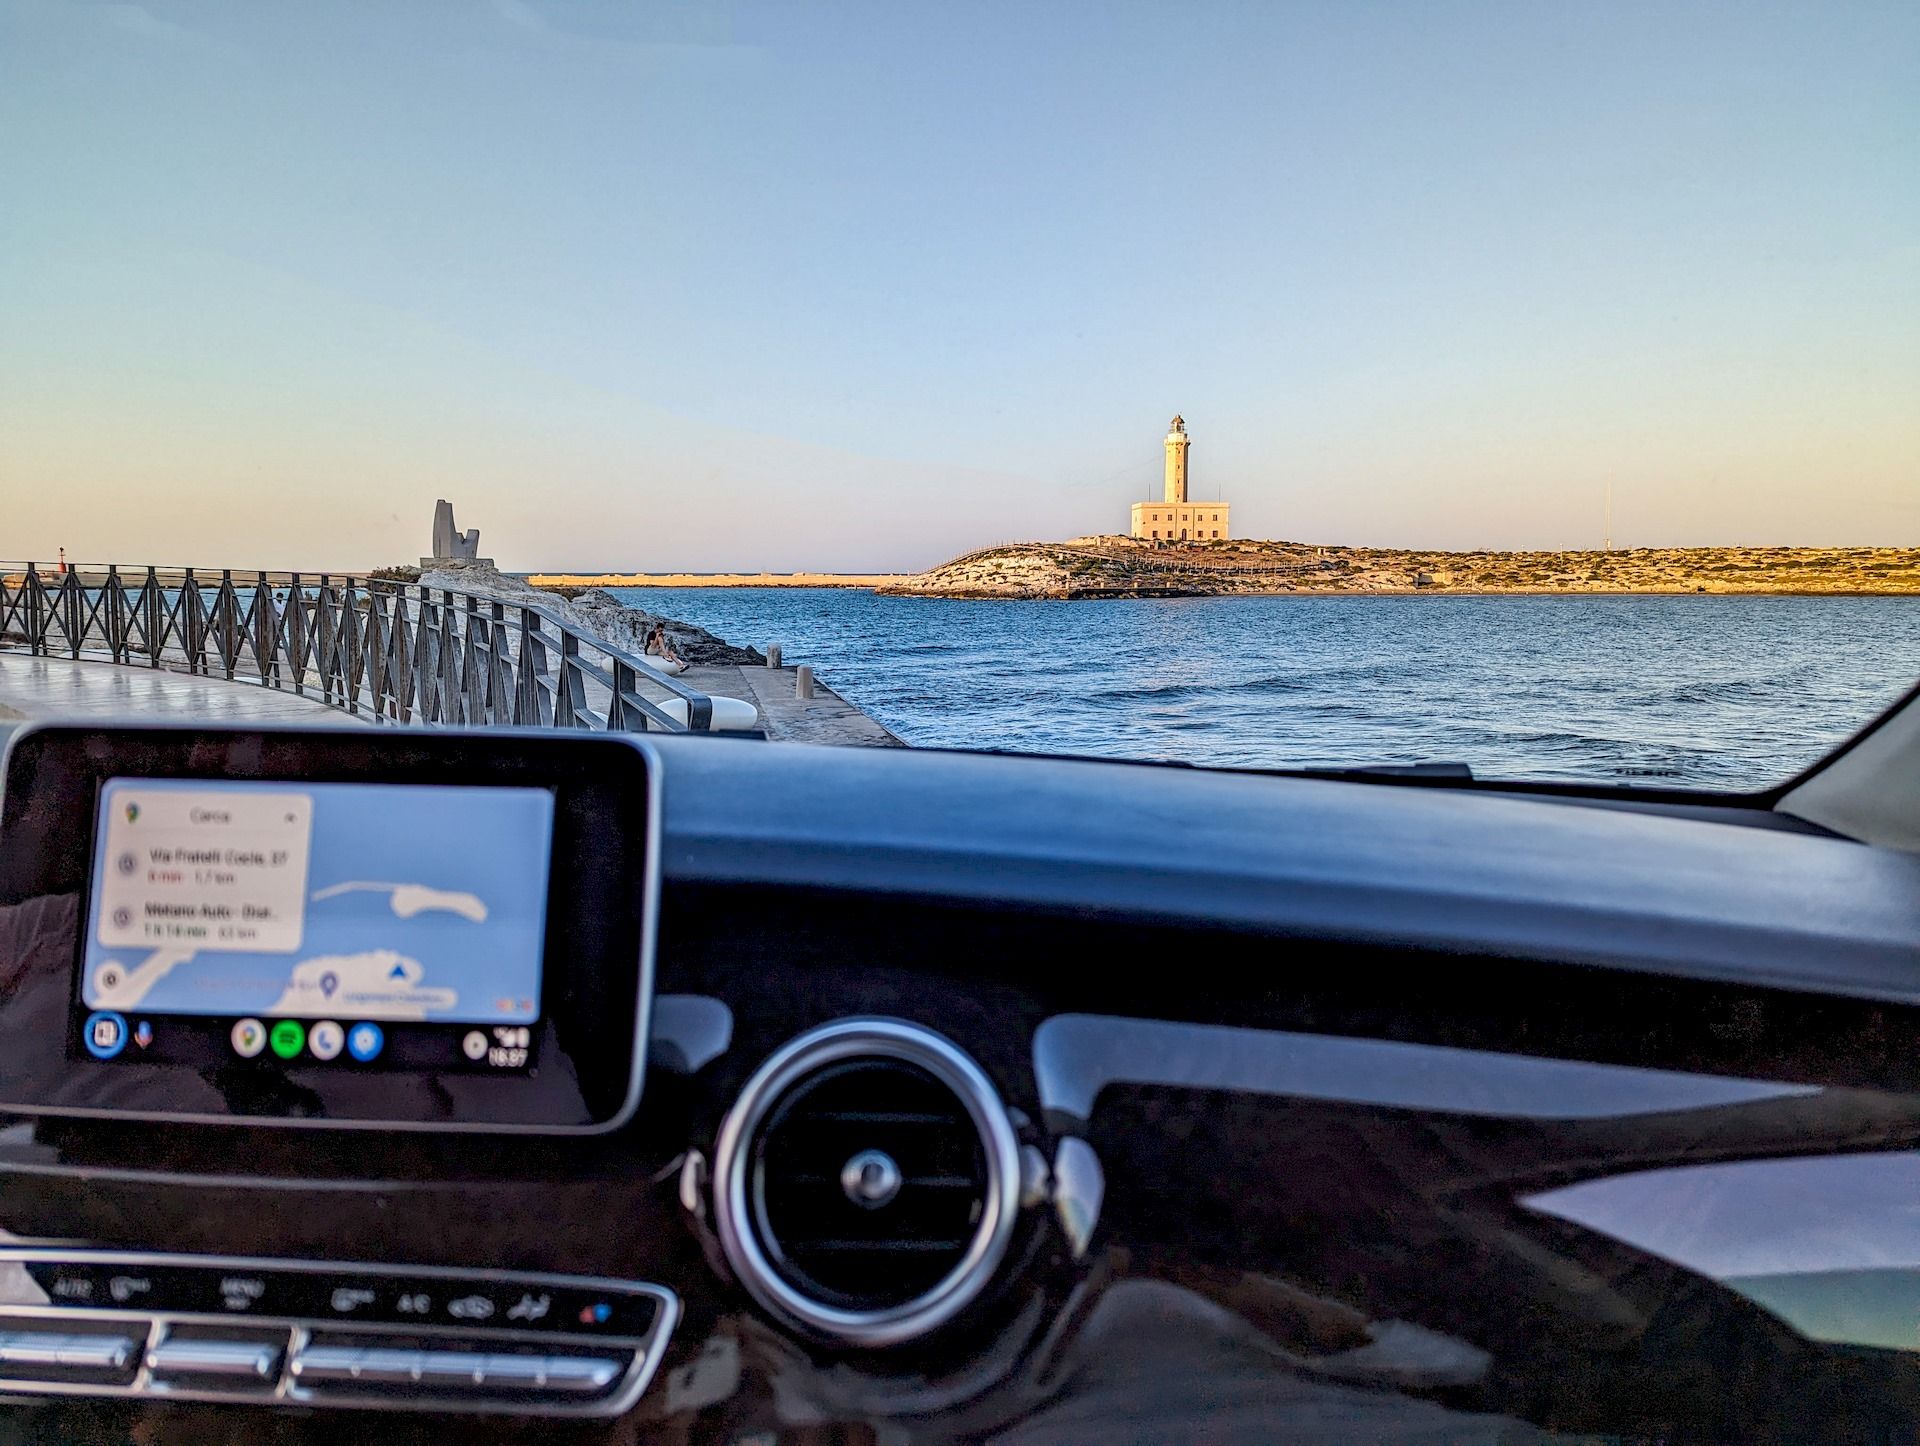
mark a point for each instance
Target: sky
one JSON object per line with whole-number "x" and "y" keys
{"x": 859, "y": 287}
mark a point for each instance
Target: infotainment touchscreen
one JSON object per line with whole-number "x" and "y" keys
{"x": 355, "y": 928}
{"x": 357, "y": 925}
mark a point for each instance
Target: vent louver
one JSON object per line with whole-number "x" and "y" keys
{"x": 866, "y": 1181}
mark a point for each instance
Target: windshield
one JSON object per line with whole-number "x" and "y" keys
{"x": 1295, "y": 385}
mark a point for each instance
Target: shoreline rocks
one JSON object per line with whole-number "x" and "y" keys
{"x": 594, "y": 611}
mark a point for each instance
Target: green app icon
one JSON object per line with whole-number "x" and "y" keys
{"x": 287, "y": 1037}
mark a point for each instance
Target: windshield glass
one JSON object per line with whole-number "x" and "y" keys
{"x": 1293, "y": 385}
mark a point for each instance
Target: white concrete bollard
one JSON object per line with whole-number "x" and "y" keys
{"x": 773, "y": 655}
{"x": 803, "y": 681}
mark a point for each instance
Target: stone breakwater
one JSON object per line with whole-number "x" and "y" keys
{"x": 1122, "y": 567}
{"x": 595, "y": 612}
{"x": 715, "y": 579}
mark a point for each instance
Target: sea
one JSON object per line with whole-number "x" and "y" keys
{"x": 1714, "y": 692}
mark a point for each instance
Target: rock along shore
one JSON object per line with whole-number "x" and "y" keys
{"x": 1125, "y": 567}
{"x": 595, "y": 612}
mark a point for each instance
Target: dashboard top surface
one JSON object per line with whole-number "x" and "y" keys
{"x": 1508, "y": 875}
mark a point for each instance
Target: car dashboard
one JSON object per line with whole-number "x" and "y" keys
{"x": 984, "y": 1097}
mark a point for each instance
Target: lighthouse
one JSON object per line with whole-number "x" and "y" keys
{"x": 1177, "y": 444}
{"x": 1174, "y": 518}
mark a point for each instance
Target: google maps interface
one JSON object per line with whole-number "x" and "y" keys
{"x": 331, "y": 901}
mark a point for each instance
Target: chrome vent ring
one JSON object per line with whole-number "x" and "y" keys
{"x": 866, "y": 1182}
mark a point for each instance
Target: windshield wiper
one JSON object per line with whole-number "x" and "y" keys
{"x": 1364, "y": 771}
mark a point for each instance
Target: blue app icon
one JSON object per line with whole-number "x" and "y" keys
{"x": 106, "y": 1034}
{"x": 364, "y": 1041}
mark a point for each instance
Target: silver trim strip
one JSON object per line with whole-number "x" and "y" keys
{"x": 149, "y": 1330}
{"x": 643, "y": 1006}
{"x": 1075, "y": 1056}
{"x": 786, "y": 1067}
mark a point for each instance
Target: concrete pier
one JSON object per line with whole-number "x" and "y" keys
{"x": 826, "y": 717}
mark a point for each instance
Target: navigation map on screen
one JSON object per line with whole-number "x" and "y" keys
{"x": 371, "y": 902}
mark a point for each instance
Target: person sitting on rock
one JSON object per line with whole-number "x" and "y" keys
{"x": 660, "y": 647}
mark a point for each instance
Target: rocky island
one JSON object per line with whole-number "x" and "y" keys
{"x": 1123, "y": 567}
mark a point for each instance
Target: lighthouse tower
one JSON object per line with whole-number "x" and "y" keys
{"x": 1177, "y": 444}
{"x": 1174, "y": 518}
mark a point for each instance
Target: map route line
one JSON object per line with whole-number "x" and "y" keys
{"x": 408, "y": 900}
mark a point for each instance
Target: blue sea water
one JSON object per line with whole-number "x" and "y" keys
{"x": 1693, "y": 691}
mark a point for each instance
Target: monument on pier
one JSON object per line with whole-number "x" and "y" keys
{"x": 1174, "y": 518}
{"x": 449, "y": 543}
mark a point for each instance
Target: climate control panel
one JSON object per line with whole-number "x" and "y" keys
{"x": 211, "y": 1328}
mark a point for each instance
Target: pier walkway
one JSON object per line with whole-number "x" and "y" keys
{"x": 826, "y": 717}
{"x": 36, "y": 689}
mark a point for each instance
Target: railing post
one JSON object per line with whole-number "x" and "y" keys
{"x": 472, "y": 688}
{"x": 227, "y": 624}
{"x": 156, "y": 623}
{"x": 265, "y": 626}
{"x": 374, "y": 647}
{"x": 349, "y": 647}
{"x": 452, "y": 699}
{"x": 117, "y": 643}
{"x": 196, "y": 638}
{"x": 70, "y": 600}
{"x": 569, "y": 694}
{"x": 544, "y": 688}
{"x": 36, "y": 613}
{"x": 499, "y": 666}
{"x": 426, "y": 658}
{"x": 293, "y": 632}
{"x": 623, "y": 683}
{"x": 400, "y": 663}
{"x": 323, "y": 633}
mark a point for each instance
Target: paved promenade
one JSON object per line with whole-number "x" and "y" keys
{"x": 47, "y": 688}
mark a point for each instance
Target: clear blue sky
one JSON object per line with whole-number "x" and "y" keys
{"x": 861, "y": 286}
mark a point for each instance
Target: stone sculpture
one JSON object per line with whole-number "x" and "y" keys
{"x": 449, "y": 543}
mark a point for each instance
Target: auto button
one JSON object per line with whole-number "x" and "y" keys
{"x": 38, "y": 1350}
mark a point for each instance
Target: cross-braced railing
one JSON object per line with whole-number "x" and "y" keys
{"x": 388, "y": 652}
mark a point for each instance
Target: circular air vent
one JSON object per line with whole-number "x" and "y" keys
{"x": 866, "y": 1181}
